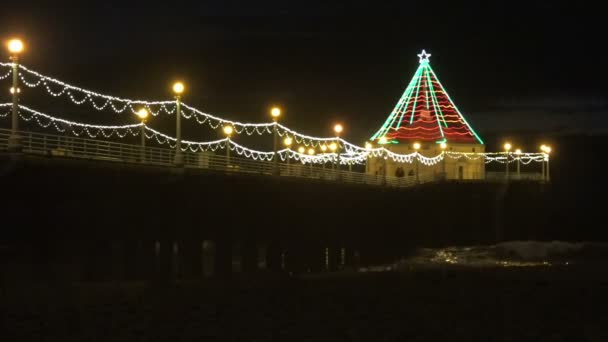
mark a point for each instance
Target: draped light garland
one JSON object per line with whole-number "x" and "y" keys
{"x": 76, "y": 128}
{"x": 99, "y": 101}
{"x": 353, "y": 153}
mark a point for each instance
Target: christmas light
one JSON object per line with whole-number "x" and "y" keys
{"x": 424, "y": 57}
{"x": 426, "y": 112}
{"x": 76, "y": 128}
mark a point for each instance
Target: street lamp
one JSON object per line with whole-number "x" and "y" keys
{"x": 228, "y": 130}
{"x": 417, "y": 147}
{"x": 287, "y": 141}
{"x": 443, "y": 146}
{"x": 311, "y": 152}
{"x": 275, "y": 112}
{"x": 178, "y": 89}
{"x": 518, "y": 154}
{"x": 15, "y": 48}
{"x": 507, "y": 147}
{"x": 338, "y": 129}
{"x": 368, "y": 148}
{"x": 546, "y": 151}
{"x": 143, "y": 115}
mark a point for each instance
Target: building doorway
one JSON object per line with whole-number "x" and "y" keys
{"x": 460, "y": 172}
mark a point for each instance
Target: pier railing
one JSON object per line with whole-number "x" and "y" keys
{"x": 51, "y": 145}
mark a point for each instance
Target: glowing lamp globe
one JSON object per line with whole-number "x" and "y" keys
{"x": 323, "y": 147}
{"x": 416, "y": 146}
{"x": 338, "y": 128}
{"x": 15, "y": 46}
{"x": 518, "y": 151}
{"x": 178, "y": 88}
{"x": 507, "y": 147}
{"x": 287, "y": 141}
{"x": 301, "y": 149}
{"x": 311, "y": 151}
{"x": 368, "y": 146}
{"x": 382, "y": 141}
{"x": 443, "y": 146}
{"x": 142, "y": 113}
{"x": 333, "y": 146}
{"x": 228, "y": 130}
{"x": 275, "y": 112}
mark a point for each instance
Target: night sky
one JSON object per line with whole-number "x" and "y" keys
{"x": 533, "y": 65}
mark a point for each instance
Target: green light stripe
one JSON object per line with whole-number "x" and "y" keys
{"x": 457, "y": 110}
{"x": 409, "y": 97}
{"x": 422, "y": 66}
{"x": 391, "y": 119}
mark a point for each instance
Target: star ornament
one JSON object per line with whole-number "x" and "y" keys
{"x": 424, "y": 57}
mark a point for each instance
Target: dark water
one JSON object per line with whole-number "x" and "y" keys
{"x": 523, "y": 291}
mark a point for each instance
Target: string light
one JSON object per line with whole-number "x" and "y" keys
{"x": 76, "y": 128}
{"x": 354, "y": 154}
{"x": 117, "y": 104}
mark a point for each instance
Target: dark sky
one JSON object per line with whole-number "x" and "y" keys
{"x": 522, "y": 65}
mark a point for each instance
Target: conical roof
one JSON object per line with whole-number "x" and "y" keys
{"x": 426, "y": 113}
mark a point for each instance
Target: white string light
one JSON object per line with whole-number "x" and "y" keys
{"x": 117, "y": 104}
{"x": 76, "y": 128}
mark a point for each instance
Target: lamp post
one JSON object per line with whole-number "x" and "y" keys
{"x": 333, "y": 147}
{"x": 311, "y": 152}
{"x": 518, "y": 154}
{"x": 287, "y": 143}
{"x": 443, "y": 146}
{"x": 542, "y": 163}
{"x": 546, "y": 151}
{"x": 338, "y": 129}
{"x": 383, "y": 141}
{"x": 368, "y": 148}
{"x": 15, "y": 47}
{"x": 417, "y": 147}
{"x": 275, "y": 113}
{"x": 228, "y": 131}
{"x": 323, "y": 150}
{"x": 301, "y": 150}
{"x": 507, "y": 147}
{"x": 178, "y": 89}
{"x": 143, "y": 115}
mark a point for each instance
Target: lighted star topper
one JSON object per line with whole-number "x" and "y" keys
{"x": 424, "y": 57}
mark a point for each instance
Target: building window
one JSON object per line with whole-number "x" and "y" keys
{"x": 473, "y": 149}
{"x": 410, "y": 173}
